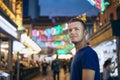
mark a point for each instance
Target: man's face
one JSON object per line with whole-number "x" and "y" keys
{"x": 76, "y": 31}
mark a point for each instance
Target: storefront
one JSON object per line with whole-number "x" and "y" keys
{"x": 105, "y": 50}
{"x": 8, "y": 33}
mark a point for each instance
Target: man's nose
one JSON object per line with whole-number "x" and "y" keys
{"x": 73, "y": 30}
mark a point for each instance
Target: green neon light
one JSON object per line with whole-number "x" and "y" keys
{"x": 103, "y": 5}
{"x": 57, "y": 43}
{"x": 70, "y": 46}
{"x": 62, "y": 51}
{"x": 68, "y": 37}
{"x": 21, "y": 28}
{"x": 59, "y": 29}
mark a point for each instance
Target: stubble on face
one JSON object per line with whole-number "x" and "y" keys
{"x": 76, "y": 31}
{"x": 77, "y": 34}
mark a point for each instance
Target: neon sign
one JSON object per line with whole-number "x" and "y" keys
{"x": 100, "y": 4}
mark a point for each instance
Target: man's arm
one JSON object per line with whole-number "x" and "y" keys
{"x": 88, "y": 74}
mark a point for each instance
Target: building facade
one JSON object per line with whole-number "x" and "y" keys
{"x": 102, "y": 30}
{"x": 102, "y": 39}
{"x": 10, "y": 21}
{"x": 31, "y": 8}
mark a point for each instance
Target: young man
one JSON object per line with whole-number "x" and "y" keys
{"x": 85, "y": 65}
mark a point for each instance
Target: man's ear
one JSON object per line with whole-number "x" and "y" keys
{"x": 85, "y": 32}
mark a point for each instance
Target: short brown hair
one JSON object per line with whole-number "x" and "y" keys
{"x": 78, "y": 20}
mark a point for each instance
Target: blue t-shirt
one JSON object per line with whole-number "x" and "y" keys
{"x": 85, "y": 58}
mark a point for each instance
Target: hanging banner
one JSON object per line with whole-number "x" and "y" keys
{"x": 52, "y": 37}
{"x": 61, "y": 37}
{"x": 48, "y": 32}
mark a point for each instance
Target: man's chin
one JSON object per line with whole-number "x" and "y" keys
{"x": 75, "y": 42}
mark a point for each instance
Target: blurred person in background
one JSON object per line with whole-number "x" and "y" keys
{"x": 69, "y": 64}
{"x": 107, "y": 69}
{"x": 44, "y": 67}
{"x": 65, "y": 66}
{"x": 3, "y": 63}
{"x": 85, "y": 64}
{"x": 56, "y": 68}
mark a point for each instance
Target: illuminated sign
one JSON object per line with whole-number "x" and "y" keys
{"x": 100, "y": 4}
{"x": 9, "y": 28}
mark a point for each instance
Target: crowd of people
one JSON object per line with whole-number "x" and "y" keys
{"x": 55, "y": 67}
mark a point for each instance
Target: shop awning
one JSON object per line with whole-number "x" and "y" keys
{"x": 30, "y": 43}
{"x": 7, "y": 27}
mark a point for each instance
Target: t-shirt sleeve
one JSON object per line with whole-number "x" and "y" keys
{"x": 90, "y": 60}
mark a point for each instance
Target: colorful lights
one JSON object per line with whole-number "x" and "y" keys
{"x": 62, "y": 51}
{"x": 58, "y": 29}
{"x": 21, "y": 28}
{"x": 100, "y": 4}
{"x": 56, "y": 37}
{"x": 104, "y": 4}
{"x": 29, "y": 42}
{"x": 65, "y": 56}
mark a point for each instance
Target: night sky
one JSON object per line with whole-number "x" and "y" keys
{"x": 66, "y": 8}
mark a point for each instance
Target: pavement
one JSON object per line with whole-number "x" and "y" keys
{"x": 63, "y": 76}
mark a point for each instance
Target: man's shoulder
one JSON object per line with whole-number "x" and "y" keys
{"x": 89, "y": 49}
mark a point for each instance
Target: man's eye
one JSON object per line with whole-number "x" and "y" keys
{"x": 69, "y": 30}
{"x": 77, "y": 29}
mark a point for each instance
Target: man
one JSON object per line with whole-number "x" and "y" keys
{"x": 85, "y": 65}
{"x": 56, "y": 68}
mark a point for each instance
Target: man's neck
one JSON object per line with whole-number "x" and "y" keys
{"x": 80, "y": 45}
